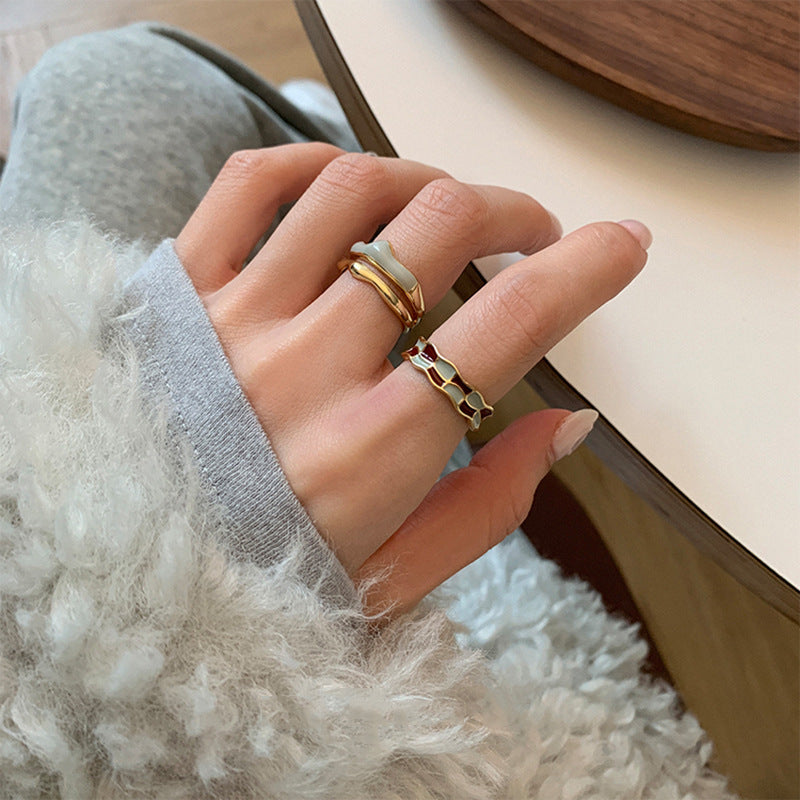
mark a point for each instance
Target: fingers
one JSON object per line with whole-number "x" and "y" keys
{"x": 445, "y": 225}
{"x": 493, "y": 340}
{"x": 505, "y": 328}
{"x": 240, "y": 205}
{"x": 346, "y": 203}
{"x": 511, "y": 323}
{"x": 470, "y": 510}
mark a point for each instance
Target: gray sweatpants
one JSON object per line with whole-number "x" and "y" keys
{"x": 132, "y": 125}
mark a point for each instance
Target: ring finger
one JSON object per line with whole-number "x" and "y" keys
{"x": 445, "y": 225}
{"x": 498, "y": 335}
{"x": 347, "y": 201}
{"x": 511, "y": 323}
{"x": 493, "y": 340}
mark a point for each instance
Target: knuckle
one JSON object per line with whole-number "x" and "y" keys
{"x": 512, "y": 510}
{"x": 506, "y": 519}
{"x": 241, "y": 164}
{"x": 521, "y": 317}
{"x": 332, "y": 151}
{"x": 506, "y": 512}
{"x": 453, "y": 203}
{"x": 358, "y": 174}
{"x": 519, "y": 506}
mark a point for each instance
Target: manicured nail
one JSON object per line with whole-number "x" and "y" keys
{"x": 572, "y": 431}
{"x": 640, "y": 232}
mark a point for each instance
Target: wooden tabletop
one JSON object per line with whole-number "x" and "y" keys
{"x": 728, "y": 70}
{"x": 694, "y": 367}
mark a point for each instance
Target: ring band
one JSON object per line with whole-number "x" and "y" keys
{"x": 381, "y": 255}
{"x": 364, "y": 271}
{"x": 376, "y": 263}
{"x": 444, "y": 375}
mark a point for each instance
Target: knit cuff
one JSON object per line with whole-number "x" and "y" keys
{"x": 182, "y": 359}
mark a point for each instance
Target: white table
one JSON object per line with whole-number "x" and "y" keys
{"x": 694, "y": 368}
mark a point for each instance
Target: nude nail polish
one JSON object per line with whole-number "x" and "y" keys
{"x": 571, "y": 432}
{"x": 639, "y": 230}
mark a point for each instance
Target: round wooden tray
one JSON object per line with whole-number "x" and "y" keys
{"x": 726, "y": 70}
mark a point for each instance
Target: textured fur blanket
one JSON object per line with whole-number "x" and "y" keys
{"x": 138, "y": 660}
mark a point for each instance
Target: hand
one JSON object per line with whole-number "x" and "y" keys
{"x": 361, "y": 443}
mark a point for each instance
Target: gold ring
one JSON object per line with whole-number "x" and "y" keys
{"x": 364, "y": 271}
{"x": 444, "y": 375}
{"x": 395, "y": 283}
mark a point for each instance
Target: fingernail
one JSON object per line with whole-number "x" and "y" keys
{"x": 571, "y": 432}
{"x": 639, "y": 230}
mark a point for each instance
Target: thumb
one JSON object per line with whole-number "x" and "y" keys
{"x": 470, "y": 510}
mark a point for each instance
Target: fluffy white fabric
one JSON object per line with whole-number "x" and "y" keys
{"x": 138, "y": 660}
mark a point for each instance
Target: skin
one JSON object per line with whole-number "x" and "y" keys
{"x": 362, "y": 443}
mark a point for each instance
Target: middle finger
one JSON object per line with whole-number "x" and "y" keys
{"x": 447, "y": 224}
{"x": 349, "y": 199}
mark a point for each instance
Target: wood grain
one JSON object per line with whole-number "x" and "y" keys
{"x": 615, "y": 450}
{"x": 727, "y": 70}
{"x": 733, "y": 657}
{"x": 732, "y": 647}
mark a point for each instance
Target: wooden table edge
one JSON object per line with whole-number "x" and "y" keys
{"x": 614, "y": 450}
{"x": 626, "y": 97}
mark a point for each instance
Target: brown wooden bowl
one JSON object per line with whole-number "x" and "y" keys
{"x": 727, "y": 70}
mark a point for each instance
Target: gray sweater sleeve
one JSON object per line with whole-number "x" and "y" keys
{"x": 182, "y": 361}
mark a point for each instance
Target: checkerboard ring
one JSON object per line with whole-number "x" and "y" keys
{"x": 444, "y": 375}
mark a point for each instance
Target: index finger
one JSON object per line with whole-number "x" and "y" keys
{"x": 498, "y": 335}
